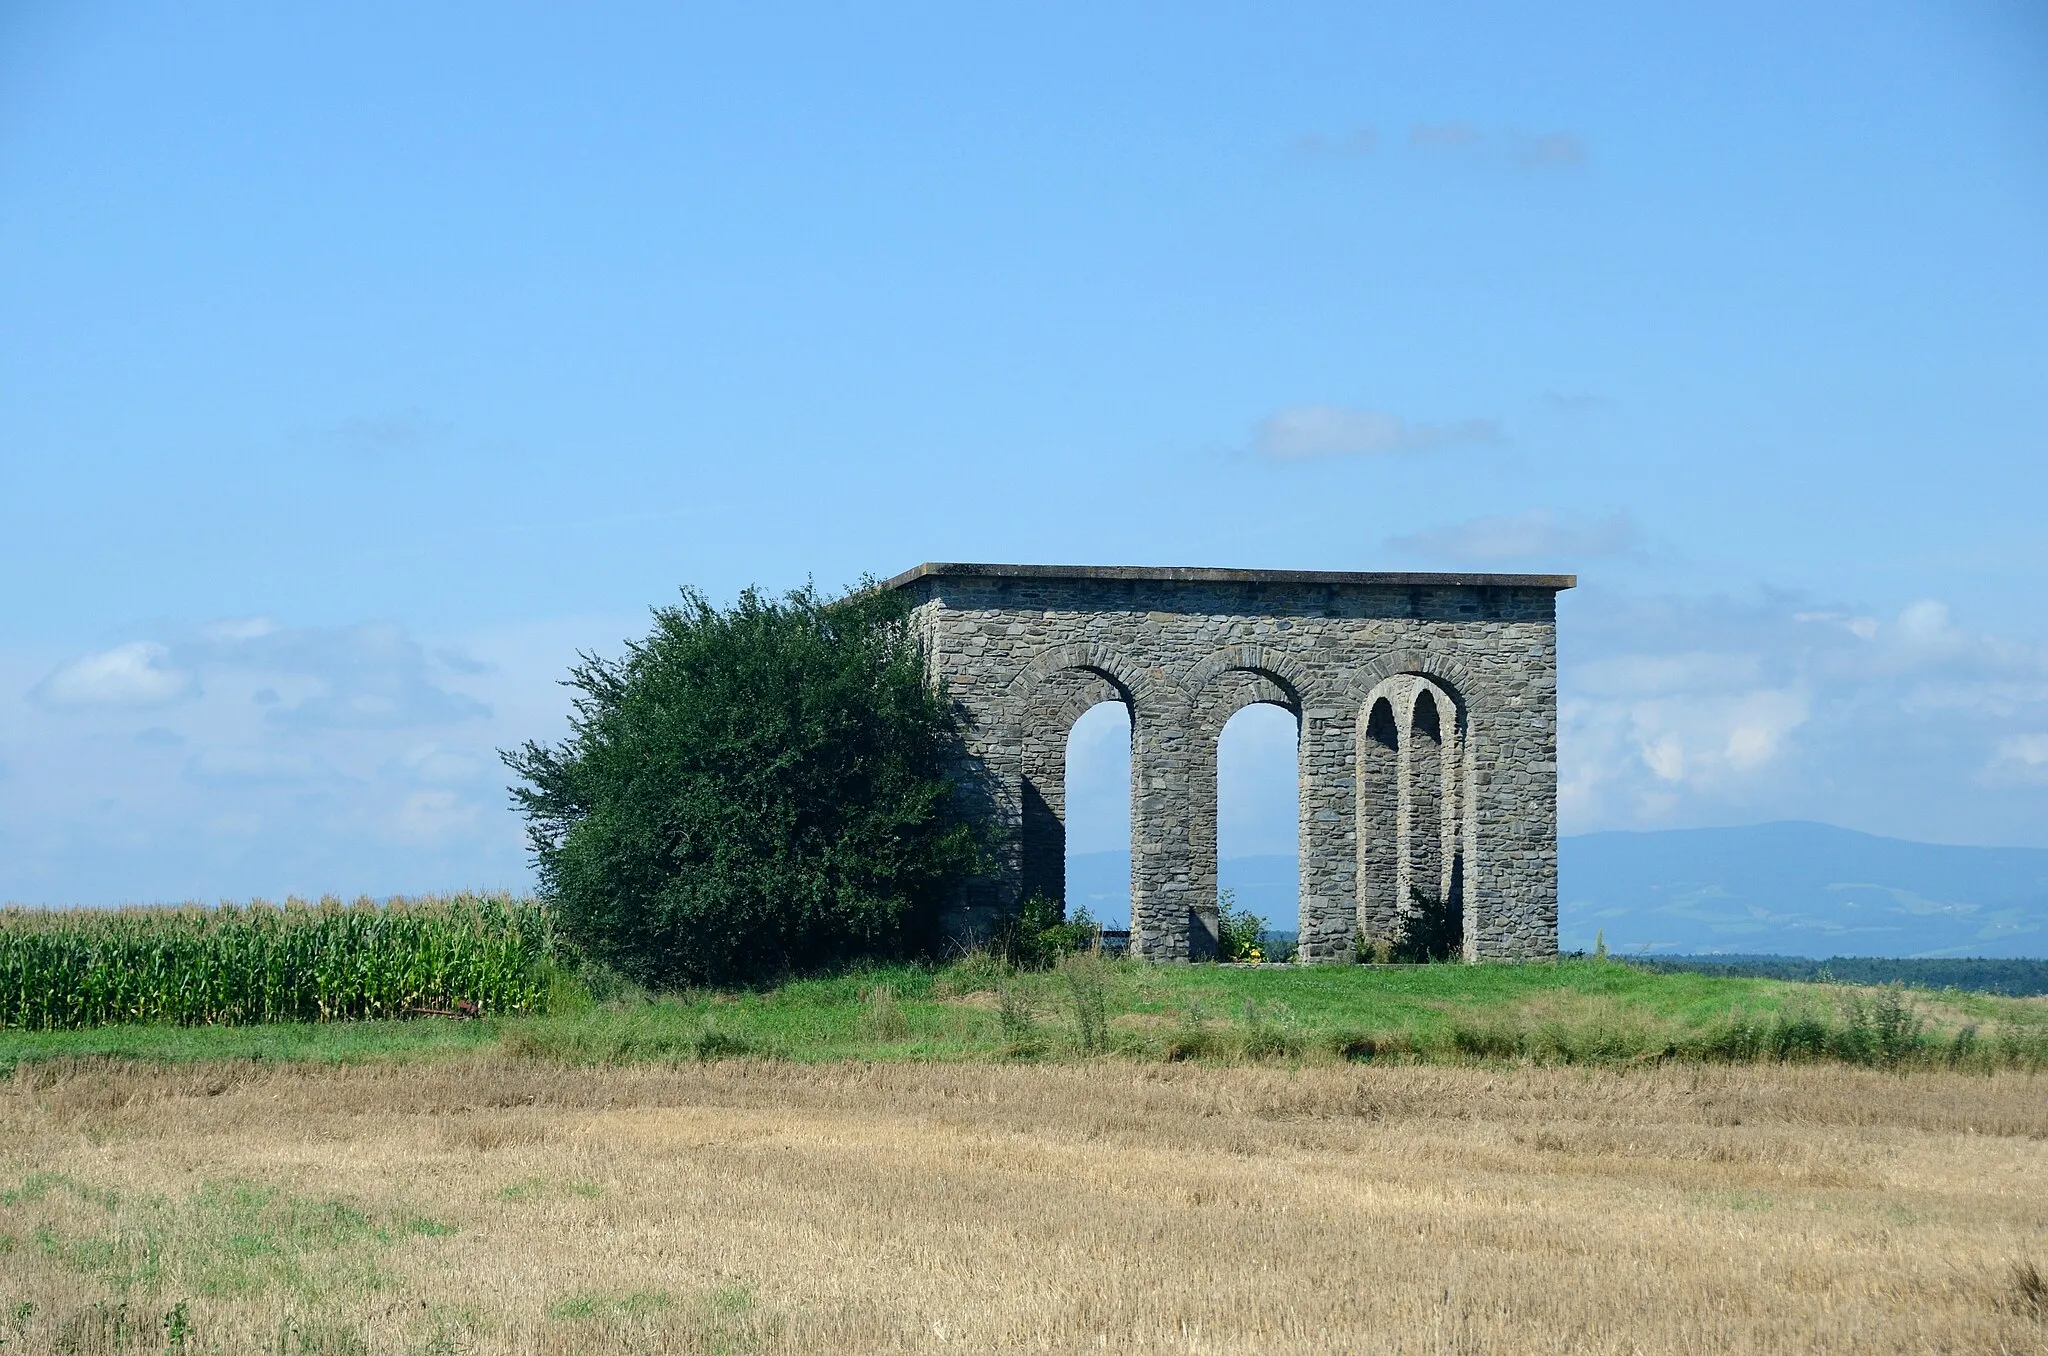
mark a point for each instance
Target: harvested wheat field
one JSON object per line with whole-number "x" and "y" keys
{"x": 517, "y": 1206}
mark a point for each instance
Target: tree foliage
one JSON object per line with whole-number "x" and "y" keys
{"x": 750, "y": 791}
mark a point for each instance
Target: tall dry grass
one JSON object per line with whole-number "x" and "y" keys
{"x": 508, "y": 1206}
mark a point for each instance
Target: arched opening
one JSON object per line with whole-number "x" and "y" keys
{"x": 1258, "y": 816}
{"x": 1098, "y": 815}
{"x": 1431, "y": 889}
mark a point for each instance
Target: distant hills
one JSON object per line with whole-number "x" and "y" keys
{"x": 1800, "y": 889}
{"x": 1786, "y": 889}
{"x": 1269, "y": 886}
{"x": 2012, "y": 976}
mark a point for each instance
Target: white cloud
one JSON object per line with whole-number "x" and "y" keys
{"x": 1700, "y": 711}
{"x": 1758, "y": 725}
{"x": 1675, "y": 672}
{"x": 2019, "y": 760}
{"x": 139, "y": 673}
{"x": 2031, "y": 749}
{"x": 351, "y": 677}
{"x": 433, "y": 816}
{"x": 1697, "y": 736}
{"x": 1925, "y": 625}
{"x": 1523, "y": 536}
{"x": 1308, "y": 432}
{"x": 373, "y": 768}
{"x": 237, "y": 628}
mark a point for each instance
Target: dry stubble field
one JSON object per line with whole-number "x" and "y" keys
{"x": 517, "y": 1206}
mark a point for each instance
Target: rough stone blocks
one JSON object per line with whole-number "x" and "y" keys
{"x": 1427, "y": 710}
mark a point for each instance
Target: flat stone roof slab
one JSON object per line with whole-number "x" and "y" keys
{"x": 1188, "y": 574}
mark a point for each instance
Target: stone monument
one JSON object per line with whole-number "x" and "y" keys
{"x": 1426, "y": 706}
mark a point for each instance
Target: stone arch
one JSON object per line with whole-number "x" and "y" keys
{"x": 1163, "y": 763}
{"x": 1276, "y": 666}
{"x": 1046, "y": 700}
{"x": 1227, "y": 682}
{"x": 1445, "y": 670}
{"x": 1136, "y": 684}
{"x": 1416, "y": 834}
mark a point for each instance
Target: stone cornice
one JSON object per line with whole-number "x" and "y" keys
{"x": 1201, "y": 575}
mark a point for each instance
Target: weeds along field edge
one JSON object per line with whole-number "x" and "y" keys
{"x": 1566, "y": 1012}
{"x": 485, "y": 960}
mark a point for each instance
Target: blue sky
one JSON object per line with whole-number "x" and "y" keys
{"x": 358, "y": 364}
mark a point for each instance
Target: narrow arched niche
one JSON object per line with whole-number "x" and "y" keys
{"x": 1431, "y": 903}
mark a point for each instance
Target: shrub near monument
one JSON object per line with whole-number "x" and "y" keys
{"x": 749, "y": 792}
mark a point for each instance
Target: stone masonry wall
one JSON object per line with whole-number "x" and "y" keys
{"x": 1459, "y": 770}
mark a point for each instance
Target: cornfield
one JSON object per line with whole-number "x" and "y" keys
{"x": 302, "y": 962}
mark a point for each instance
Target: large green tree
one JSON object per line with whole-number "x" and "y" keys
{"x": 750, "y": 791}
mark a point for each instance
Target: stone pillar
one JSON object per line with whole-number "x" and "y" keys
{"x": 1164, "y": 904}
{"x": 1452, "y": 830}
{"x": 988, "y": 788}
{"x": 1379, "y": 822}
{"x": 1327, "y": 791}
{"x": 1204, "y": 917}
{"x": 1042, "y": 830}
{"x": 1424, "y": 841}
{"x": 1511, "y": 861}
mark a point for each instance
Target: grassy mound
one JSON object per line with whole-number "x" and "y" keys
{"x": 1569, "y": 1012}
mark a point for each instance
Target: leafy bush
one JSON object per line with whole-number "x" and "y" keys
{"x": 1237, "y": 930}
{"x": 1041, "y": 933}
{"x": 1369, "y": 949}
{"x": 751, "y": 791}
{"x": 1435, "y": 930}
{"x": 1280, "y": 946}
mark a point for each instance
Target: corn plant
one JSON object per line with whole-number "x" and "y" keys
{"x": 263, "y": 963}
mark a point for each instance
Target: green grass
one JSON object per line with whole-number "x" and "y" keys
{"x": 1572, "y": 1011}
{"x": 227, "y": 1238}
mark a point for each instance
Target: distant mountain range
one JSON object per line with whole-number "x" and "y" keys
{"x": 1800, "y": 889}
{"x": 1268, "y": 886}
{"x": 1788, "y": 889}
